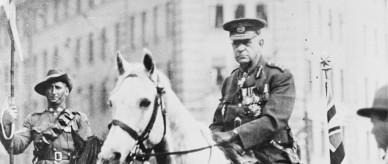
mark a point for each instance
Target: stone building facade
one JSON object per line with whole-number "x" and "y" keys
{"x": 189, "y": 45}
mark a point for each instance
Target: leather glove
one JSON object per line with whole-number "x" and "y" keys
{"x": 224, "y": 137}
{"x": 235, "y": 153}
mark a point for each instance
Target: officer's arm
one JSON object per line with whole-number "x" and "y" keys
{"x": 21, "y": 139}
{"x": 218, "y": 123}
{"x": 83, "y": 124}
{"x": 275, "y": 114}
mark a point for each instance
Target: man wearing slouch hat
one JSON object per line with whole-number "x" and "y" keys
{"x": 50, "y": 130}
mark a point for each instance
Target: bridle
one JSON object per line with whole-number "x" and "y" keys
{"x": 140, "y": 150}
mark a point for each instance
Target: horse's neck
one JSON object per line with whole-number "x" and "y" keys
{"x": 186, "y": 133}
{"x": 182, "y": 124}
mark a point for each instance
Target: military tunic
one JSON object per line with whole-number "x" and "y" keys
{"x": 267, "y": 120}
{"x": 37, "y": 123}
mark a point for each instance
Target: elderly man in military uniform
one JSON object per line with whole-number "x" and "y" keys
{"x": 378, "y": 115}
{"x": 49, "y": 130}
{"x": 251, "y": 121}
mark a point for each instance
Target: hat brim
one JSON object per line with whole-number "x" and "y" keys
{"x": 242, "y": 36}
{"x": 42, "y": 86}
{"x": 366, "y": 112}
{"x": 259, "y": 23}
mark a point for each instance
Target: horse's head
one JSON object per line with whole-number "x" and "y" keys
{"x": 135, "y": 105}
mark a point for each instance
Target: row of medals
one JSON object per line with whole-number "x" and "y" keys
{"x": 250, "y": 99}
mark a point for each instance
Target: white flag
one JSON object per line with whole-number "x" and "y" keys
{"x": 10, "y": 12}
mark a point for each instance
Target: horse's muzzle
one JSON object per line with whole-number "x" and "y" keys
{"x": 113, "y": 158}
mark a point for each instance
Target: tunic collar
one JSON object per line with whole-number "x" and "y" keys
{"x": 255, "y": 67}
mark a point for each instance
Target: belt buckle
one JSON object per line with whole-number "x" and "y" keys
{"x": 58, "y": 156}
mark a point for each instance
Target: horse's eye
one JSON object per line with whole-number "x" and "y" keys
{"x": 144, "y": 102}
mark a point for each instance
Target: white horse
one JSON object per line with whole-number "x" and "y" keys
{"x": 173, "y": 128}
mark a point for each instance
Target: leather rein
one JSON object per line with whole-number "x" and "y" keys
{"x": 140, "y": 152}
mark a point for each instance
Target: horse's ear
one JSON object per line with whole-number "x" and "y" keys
{"x": 148, "y": 61}
{"x": 121, "y": 63}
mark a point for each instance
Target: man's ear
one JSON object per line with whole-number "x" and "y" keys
{"x": 261, "y": 42}
{"x": 67, "y": 91}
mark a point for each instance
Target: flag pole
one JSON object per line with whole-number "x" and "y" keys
{"x": 12, "y": 87}
{"x": 326, "y": 67}
{"x": 336, "y": 149}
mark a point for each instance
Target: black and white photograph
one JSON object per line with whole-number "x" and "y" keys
{"x": 194, "y": 81}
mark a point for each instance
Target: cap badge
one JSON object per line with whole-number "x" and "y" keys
{"x": 240, "y": 28}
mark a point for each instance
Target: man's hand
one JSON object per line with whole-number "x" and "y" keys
{"x": 224, "y": 137}
{"x": 10, "y": 114}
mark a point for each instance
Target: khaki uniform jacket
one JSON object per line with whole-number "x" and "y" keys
{"x": 256, "y": 132}
{"x": 36, "y": 123}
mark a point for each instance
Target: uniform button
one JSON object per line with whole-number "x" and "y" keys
{"x": 54, "y": 149}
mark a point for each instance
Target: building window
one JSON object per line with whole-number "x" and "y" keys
{"x": 55, "y": 57}
{"x": 91, "y": 99}
{"x": 117, "y": 34}
{"x": 56, "y": 6}
{"x": 143, "y": 28}
{"x": 77, "y": 56}
{"x": 341, "y": 27}
{"x": 44, "y": 14}
{"x": 45, "y": 61}
{"x": 156, "y": 36}
{"x": 219, "y": 16}
{"x": 132, "y": 32}
{"x": 66, "y": 8}
{"x": 104, "y": 95}
{"x": 91, "y": 48}
{"x": 261, "y": 12}
{"x": 219, "y": 76}
{"x": 91, "y": 3}
{"x": 330, "y": 24}
{"x": 41, "y": 17}
{"x": 169, "y": 19}
{"x": 79, "y": 6}
{"x": 342, "y": 78}
{"x": 310, "y": 75}
{"x": 103, "y": 43}
{"x": 240, "y": 11}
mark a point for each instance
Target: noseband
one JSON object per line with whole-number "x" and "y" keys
{"x": 140, "y": 151}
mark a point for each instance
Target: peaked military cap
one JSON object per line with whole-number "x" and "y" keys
{"x": 380, "y": 103}
{"x": 53, "y": 75}
{"x": 244, "y": 28}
